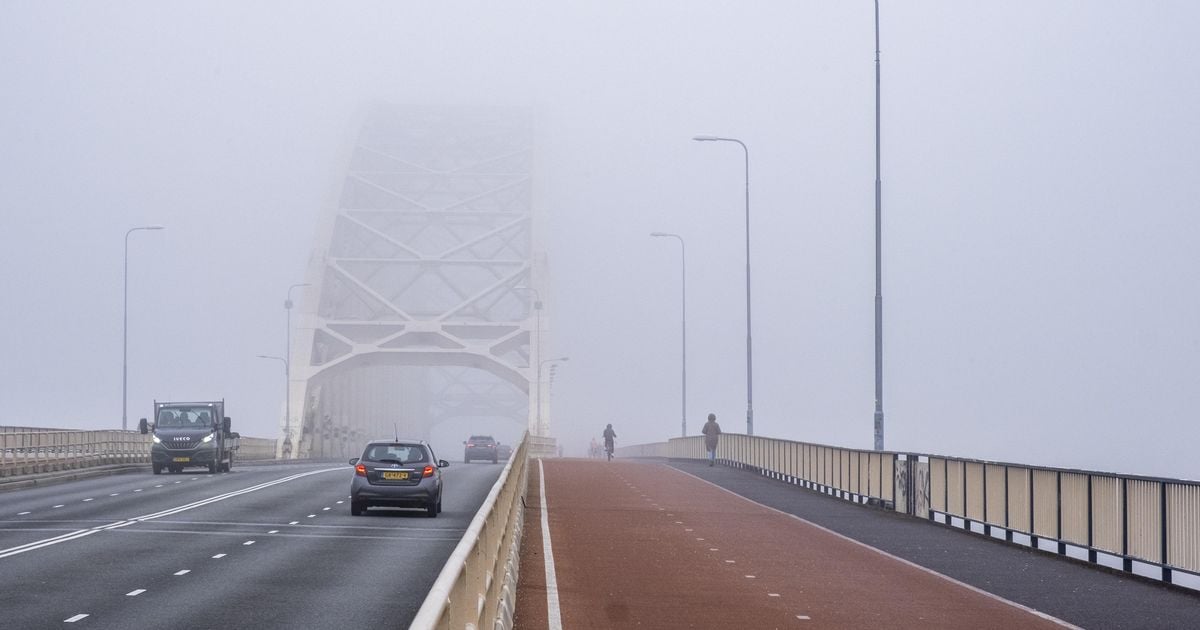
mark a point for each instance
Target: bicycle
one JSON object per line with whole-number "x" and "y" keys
{"x": 608, "y": 449}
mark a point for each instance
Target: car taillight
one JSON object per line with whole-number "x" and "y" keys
{"x": 360, "y": 470}
{"x": 428, "y": 471}
{"x": 470, "y": 445}
{"x": 491, "y": 446}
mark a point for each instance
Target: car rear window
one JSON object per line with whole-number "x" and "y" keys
{"x": 481, "y": 438}
{"x": 403, "y": 453}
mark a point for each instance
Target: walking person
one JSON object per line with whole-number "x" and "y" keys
{"x": 712, "y": 432}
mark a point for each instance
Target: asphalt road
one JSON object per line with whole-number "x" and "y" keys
{"x": 266, "y": 546}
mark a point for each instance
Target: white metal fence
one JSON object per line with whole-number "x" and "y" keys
{"x": 28, "y": 450}
{"x": 1144, "y": 525}
{"x": 477, "y": 586}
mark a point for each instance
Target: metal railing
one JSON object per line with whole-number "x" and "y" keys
{"x": 857, "y": 475}
{"x": 41, "y": 451}
{"x": 27, "y": 450}
{"x": 1144, "y": 525}
{"x": 477, "y": 586}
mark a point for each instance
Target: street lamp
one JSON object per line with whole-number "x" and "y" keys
{"x": 287, "y": 369}
{"x": 683, "y": 325}
{"x": 749, "y": 343}
{"x": 878, "y": 259}
{"x": 125, "y": 330}
{"x": 541, "y": 430}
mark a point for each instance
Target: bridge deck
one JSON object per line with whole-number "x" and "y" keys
{"x": 640, "y": 544}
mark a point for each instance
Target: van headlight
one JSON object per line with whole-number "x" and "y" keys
{"x": 209, "y": 437}
{"x": 156, "y": 440}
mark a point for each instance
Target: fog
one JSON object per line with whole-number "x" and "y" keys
{"x": 1038, "y": 202}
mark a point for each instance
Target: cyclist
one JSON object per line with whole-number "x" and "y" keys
{"x": 609, "y": 436}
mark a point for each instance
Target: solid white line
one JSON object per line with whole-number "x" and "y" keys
{"x": 38, "y": 544}
{"x": 135, "y": 593}
{"x": 1036, "y": 613}
{"x": 552, "y": 608}
{"x": 75, "y": 618}
{"x": 183, "y": 572}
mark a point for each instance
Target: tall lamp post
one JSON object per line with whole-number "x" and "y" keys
{"x": 125, "y": 330}
{"x": 878, "y": 259}
{"x": 287, "y": 370}
{"x": 683, "y": 323}
{"x": 749, "y": 342}
{"x": 541, "y": 430}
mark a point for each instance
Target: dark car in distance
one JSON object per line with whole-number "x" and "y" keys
{"x": 397, "y": 473}
{"x": 503, "y": 451}
{"x": 480, "y": 447}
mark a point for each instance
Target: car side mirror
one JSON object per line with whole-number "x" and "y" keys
{"x": 142, "y": 427}
{"x": 443, "y": 463}
{"x": 225, "y": 424}
{"x": 353, "y": 461}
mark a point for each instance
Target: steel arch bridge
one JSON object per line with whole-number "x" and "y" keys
{"x": 426, "y": 285}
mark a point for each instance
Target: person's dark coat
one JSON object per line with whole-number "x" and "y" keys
{"x": 711, "y": 432}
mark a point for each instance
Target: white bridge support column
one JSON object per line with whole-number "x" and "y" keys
{"x": 415, "y": 311}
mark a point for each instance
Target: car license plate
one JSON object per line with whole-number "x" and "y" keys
{"x": 390, "y": 474}
{"x": 182, "y": 459}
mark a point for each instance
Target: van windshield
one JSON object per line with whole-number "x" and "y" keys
{"x": 185, "y": 417}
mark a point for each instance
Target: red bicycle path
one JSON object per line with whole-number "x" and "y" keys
{"x": 644, "y": 545}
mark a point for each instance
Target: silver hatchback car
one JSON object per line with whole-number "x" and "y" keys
{"x": 397, "y": 473}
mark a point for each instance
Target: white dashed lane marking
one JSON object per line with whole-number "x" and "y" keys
{"x": 311, "y": 516}
{"x": 729, "y": 562}
{"x": 86, "y": 500}
{"x": 248, "y": 543}
{"x": 114, "y": 494}
{"x": 294, "y": 523}
{"x": 57, "y": 506}
{"x": 75, "y": 618}
{"x": 158, "y": 486}
{"x": 803, "y": 617}
{"x": 183, "y": 572}
{"x": 273, "y": 531}
{"x": 340, "y": 502}
{"x": 22, "y": 513}
{"x": 324, "y": 509}
{"x": 135, "y": 593}
{"x": 772, "y": 594}
{"x": 138, "y": 490}
{"x": 218, "y": 556}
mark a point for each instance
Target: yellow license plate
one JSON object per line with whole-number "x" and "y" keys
{"x": 387, "y": 474}
{"x": 182, "y": 459}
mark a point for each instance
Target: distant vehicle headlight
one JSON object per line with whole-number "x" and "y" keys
{"x": 209, "y": 437}
{"x": 156, "y": 440}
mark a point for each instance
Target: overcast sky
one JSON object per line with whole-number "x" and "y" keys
{"x": 1038, "y": 198}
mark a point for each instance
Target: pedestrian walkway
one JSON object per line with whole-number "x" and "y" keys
{"x": 648, "y": 545}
